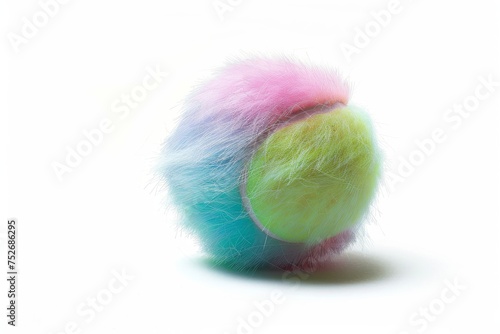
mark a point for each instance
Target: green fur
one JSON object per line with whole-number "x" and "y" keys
{"x": 315, "y": 178}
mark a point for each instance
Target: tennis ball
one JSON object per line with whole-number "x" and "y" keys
{"x": 270, "y": 166}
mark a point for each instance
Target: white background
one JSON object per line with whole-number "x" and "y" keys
{"x": 438, "y": 223}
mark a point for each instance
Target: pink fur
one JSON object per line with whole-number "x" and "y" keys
{"x": 317, "y": 256}
{"x": 283, "y": 88}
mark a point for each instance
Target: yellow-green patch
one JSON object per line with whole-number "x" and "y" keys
{"x": 315, "y": 178}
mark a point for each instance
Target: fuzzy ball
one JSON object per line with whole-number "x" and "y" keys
{"x": 269, "y": 166}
